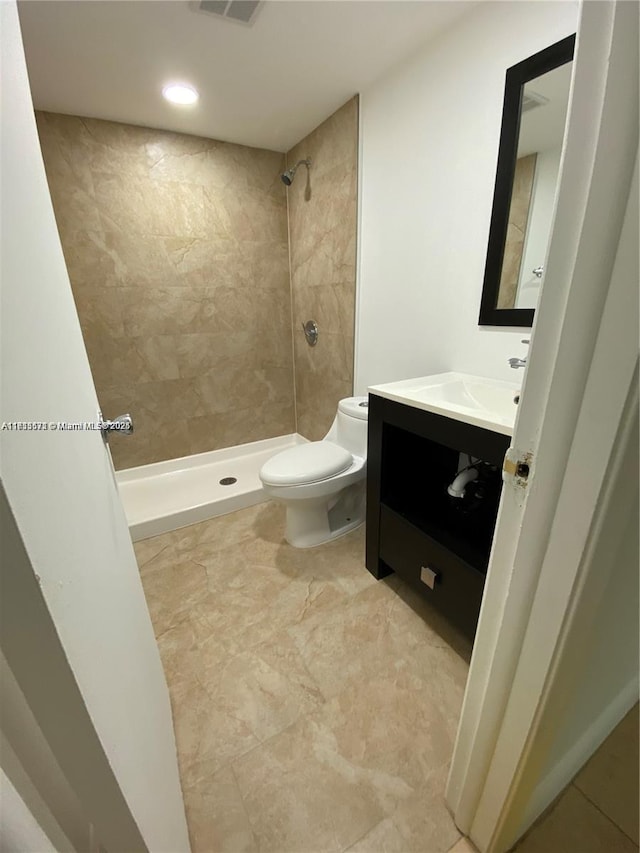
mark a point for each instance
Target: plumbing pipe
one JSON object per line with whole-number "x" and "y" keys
{"x": 456, "y": 489}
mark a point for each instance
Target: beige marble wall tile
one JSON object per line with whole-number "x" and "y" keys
{"x": 315, "y": 410}
{"x": 177, "y": 251}
{"x": 516, "y": 230}
{"x": 322, "y": 234}
{"x": 252, "y": 423}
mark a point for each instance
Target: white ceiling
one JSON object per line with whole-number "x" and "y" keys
{"x": 265, "y": 85}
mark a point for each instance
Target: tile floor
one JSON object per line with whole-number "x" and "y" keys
{"x": 315, "y": 708}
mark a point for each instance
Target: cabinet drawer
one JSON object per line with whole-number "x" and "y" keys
{"x": 448, "y": 582}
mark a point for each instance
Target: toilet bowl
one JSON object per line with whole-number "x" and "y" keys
{"x": 322, "y": 483}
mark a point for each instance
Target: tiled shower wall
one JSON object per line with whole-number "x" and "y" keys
{"x": 178, "y": 258}
{"x": 322, "y": 234}
{"x": 178, "y": 255}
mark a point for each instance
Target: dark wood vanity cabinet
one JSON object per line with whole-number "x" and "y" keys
{"x": 440, "y": 545}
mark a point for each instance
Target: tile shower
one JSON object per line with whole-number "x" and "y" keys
{"x": 322, "y": 232}
{"x": 192, "y": 278}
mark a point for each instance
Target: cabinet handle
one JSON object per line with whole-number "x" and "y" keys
{"x": 428, "y": 576}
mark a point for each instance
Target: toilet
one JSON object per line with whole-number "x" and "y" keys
{"x": 322, "y": 483}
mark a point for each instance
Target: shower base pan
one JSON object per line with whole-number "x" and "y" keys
{"x": 167, "y": 495}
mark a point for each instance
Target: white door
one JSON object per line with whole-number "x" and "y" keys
{"x": 75, "y": 629}
{"x": 568, "y": 367}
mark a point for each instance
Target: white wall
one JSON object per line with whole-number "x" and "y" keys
{"x": 19, "y": 830}
{"x": 429, "y": 144}
{"x": 74, "y": 626}
{"x": 26, "y": 759}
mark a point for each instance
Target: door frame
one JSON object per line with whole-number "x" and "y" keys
{"x": 596, "y": 169}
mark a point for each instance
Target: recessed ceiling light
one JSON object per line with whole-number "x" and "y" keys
{"x": 180, "y": 93}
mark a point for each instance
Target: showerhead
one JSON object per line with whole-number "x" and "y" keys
{"x": 288, "y": 176}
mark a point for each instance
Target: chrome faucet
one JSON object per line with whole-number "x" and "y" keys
{"x": 518, "y": 362}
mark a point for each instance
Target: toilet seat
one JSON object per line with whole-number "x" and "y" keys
{"x": 307, "y": 463}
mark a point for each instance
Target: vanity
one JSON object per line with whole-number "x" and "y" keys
{"x": 436, "y": 446}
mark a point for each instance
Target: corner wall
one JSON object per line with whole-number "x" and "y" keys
{"x": 322, "y": 239}
{"x": 176, "y": 248}
{"x": 430, "y": 132}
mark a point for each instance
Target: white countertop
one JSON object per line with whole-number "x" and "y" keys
{"x": 487, "y": 403}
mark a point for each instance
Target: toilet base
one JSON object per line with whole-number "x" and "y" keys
{"x": 315, "y": 521}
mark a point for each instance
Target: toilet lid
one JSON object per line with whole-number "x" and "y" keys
{"x": 307, "y": 463}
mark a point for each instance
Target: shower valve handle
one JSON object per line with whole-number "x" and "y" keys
{"x": 310, "y": 329}
{"x": 123, "y": 425}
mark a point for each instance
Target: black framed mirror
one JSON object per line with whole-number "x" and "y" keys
{"x": 536, "y": 97}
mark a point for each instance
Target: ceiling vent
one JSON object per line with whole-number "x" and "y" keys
{"x": 531, "y": 100}
{"x": 243, "y": 11}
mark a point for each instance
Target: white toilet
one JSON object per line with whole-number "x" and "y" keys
{"x": 322, "y": 483}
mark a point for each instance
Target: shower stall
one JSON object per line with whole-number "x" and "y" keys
{"x": 193, "y": 265}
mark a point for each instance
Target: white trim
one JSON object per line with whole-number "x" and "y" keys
{"x": 20, "y": 830}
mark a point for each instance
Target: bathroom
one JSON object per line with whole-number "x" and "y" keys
{"x": 316, "y": 697}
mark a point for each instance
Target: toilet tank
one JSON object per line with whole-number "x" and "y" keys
{"x": 349, "y": 427}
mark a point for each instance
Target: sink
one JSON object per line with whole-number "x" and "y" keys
{"x": 486, "y": 403}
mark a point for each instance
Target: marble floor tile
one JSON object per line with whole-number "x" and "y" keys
{"x": 339, "y": 771}
{"x": 268, "y": 688}
{"x": 610, "y": 778}
{"x": 313, "y": 706}
{"x": 247, "y": 603}
{"x": 259, "y": 521}
{"x": 341, "y": 561}
{"x": 173, "y": 586}
{"x": 207, "y": 737}
{"x": 192, "y": 653}
{"x": 302, "y": 797}
{"x": 146, "y": 549}
{"x": 415, "y": 827}
{"x": 375, "y": 632}
{"x": 575, "y": 825}
{"x": 463, "y": 846}
{"x": 216, "y": 816}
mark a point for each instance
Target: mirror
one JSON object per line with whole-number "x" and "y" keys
{"x": 536, "y": 97}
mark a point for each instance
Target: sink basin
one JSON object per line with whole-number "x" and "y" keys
{"x": 486, "y": 403}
